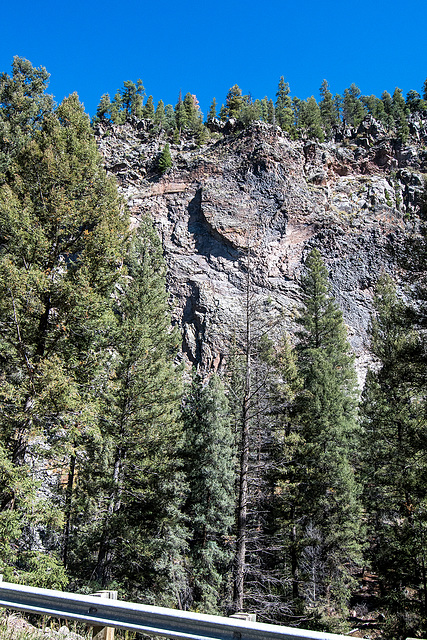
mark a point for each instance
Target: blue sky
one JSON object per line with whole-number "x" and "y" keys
{"x": 205, "y": 48}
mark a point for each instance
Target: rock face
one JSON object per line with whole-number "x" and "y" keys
{"x": 254, "y": 201}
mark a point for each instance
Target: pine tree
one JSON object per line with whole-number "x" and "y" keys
{"x": 193, "y": 120}
{"x": 326, "y": 511}
{"x": 393, "y": 465}
{"x": 181, "y": 115}
{"x": 165, "y": 160}
{"x": 132, "y": 97}
{"x": 212, "y": 111}
{"x": 279, "y": 590}
{"x": 264, "y": 109}
{"x": 413, "y": 101}
{"x": 387, "y": 101}
{"x": 160, "y": 115}
{"x": 148, "y": 109}
{"x": 312, "y": 121}
{"x": 271, "y": 113}
{"x": 62, "y": 231}
{"x": 133, "y": 479}
{"x": 284, "y": 115}
{"x": 399, "y": 111}
{"x": 209, "y": 464}
{"x": 234, "y": 102}
{"x": 103, "y": 109}
{"x": 329, "y": 116}
{"x": 353, "y": 110}
{"x": 170, "y": 121}
{"x": 250, "y": 372}
{"x": 23, "y": 106}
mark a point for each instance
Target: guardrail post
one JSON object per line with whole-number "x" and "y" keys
{"x": 104, "y": 633}
{"x": 241, "y": 615}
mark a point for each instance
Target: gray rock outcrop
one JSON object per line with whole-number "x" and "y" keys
{"x": 256, "y": 192}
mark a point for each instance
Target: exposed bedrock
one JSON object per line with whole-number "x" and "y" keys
{"x": 258, "y": 192}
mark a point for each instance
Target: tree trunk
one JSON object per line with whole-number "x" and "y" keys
{"x": 68, "y": 504}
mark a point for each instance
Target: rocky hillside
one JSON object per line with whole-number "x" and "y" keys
{"x": 254, "y": 190}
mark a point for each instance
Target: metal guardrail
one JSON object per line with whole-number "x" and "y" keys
{"x": 171, "y": 623}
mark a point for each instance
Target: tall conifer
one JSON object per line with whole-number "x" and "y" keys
{"x": 209, "y": 464}
{"x": 133, "y": 479}
{"x": 327, "y": 512}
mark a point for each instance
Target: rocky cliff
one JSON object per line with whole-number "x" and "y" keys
{"x": 257, "y": 192}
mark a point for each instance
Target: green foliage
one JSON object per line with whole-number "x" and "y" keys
{"x": 148, "y": 109}
{"x": 353, "y": 109}
{"x": 328, "y": 111}
{"x": 160, "y": 115}
{"x": 132, "y": 96}
{"x": 413, "y": 101}
{"x": 394, "y": 442}
{"x": 212, "y": 111}
{"x": 308, "y": 119}
{"x": 271, "y": 117}
{"x": 284, "y": 115}
{"x": 170, "y": 122}
{"x": 40, "y": 569}
{"x": 209, "y": 461}
{"x": 165, "y": 160}
{"x": 234, "y": 102}
{"x": 63, "y": 231}
{"x": 127, "y": 103}
{"x": 23, "y": 105}
{"x": 103, "y": 108}
{"x": 193, "y": 119}
{"x": 131, "y": 481}
{"x": 326, "y": 511}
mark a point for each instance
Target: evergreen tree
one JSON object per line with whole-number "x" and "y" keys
{"x": 374, "y": 106}
{"x": 118, "y": 115}
{"x": 325, "y": 512}
{"x": 148, "y": 109}
{"x": 250, "y": 372}
{"x": 353, "y": 110}
{"x": 280, "y": 565}
{"x": 132, "y": 97}
{"x": 284, "y": 116}
{"x": 298, "y": 109}
{"x": 133, "y": 479}
{"x": 103, "y": 109}
{"x": 165, "y": 160}
{"x": 193, "y": 120}
{"x": 312, "y": 121}
{"x": 209, "y": 463}
{"x": 271, "y": 119}
{"x": 160, "y": 115}
{"x": 212, "y": 111}
{"x": 23, "y": 106}
{"x": 328, "y": 113}
{"x": 394, "y": 469}
{"x": 170, "y": 121}
{"x": 413, "y": 101}
{"x": 264, "y": 109}
{"x": 387, "y": 101}
{"x": 399, "y": 111}
{"x": 234, "y": 102}
{"x": 223, "y": 113}
{"x": 62, "y": 233}
{"x": 181, "y": 114}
